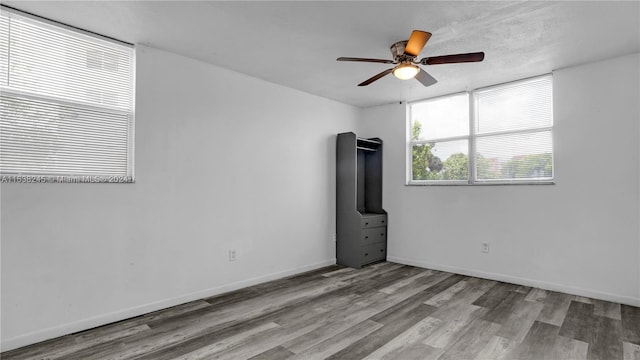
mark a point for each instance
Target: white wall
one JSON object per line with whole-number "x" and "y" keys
{"x": 222, "y": 160}
{"x": 580, "y": 235}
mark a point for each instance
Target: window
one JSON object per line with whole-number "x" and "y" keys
{"x": 440, "y": 139}
{"x": 66, "y": 103}
{"x": 501, "y": 134}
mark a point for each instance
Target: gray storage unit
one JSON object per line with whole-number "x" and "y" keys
{"x": 360, "y": 220}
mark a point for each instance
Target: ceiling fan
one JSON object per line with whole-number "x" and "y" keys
{"x": 405, "y": 54}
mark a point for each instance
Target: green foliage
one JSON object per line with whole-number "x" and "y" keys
{"x": 487, "y": 168}
{"x": 427, "y": 166}
{"x": 528, "y": 166}
{"x": 456, "y": 167}
{"x": 416, "y": 128}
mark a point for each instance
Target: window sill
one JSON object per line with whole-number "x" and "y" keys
{"x": 493, "y": 183}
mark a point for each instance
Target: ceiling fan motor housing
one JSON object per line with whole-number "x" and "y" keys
{"x": 397, "y": 51}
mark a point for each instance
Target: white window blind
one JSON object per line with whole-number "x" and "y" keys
{"x": 513, "y": 131}
{"x": 66, "y": 102}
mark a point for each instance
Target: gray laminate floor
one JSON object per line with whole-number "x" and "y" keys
{"x": 384, "y": 311}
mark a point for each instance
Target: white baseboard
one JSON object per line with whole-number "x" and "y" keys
{"x": 521, "y": 281}
{"x": 84, "y": 324}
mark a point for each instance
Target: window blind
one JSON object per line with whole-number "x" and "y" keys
{"x": 522, "y": 105}
{"x": 514, "y": 131}
{"x": 66, "y": 101}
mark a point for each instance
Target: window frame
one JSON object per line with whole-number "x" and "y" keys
{"x": 471, "y": 139}
{"x": 44, "y": 177}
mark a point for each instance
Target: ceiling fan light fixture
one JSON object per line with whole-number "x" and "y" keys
{"x": 406, "y": 71}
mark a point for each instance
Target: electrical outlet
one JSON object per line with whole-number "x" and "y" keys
{"x": 232, "y": 254}
{"x": 484, "y": 247}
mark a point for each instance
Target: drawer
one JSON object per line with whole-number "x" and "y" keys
{"x": 373, "y": 221}
{"x": 373, "y": 252}
{"x": 373, "y": 235}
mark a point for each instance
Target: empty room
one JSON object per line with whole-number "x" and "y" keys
{"x": 320, "y": 180}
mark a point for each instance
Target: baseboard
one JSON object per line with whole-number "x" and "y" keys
{"x": 521, "y": 281}
{"x": 84, "y": 324}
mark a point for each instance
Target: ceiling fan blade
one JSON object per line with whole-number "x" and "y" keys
{"x": 425, "y": 79}
{"x": 416, "y": 42}
{"x": 365, "y": 60}
{"x": 376, "y": 77}
{"x": 451, "y": 59}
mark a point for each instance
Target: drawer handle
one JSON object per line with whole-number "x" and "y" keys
{"x": 366, "y": 254}
{"x": 381, "y": 234}
{"x": 365, "y": 224}
{"x": 381, "y": 250}
{"x": 366, "y": 237}
{"x": 383, "y": 221}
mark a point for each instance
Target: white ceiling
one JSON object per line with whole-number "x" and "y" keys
{"x": 295, "y": 44}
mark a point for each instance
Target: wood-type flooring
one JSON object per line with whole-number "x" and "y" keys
{"x": 383, "y": 311}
